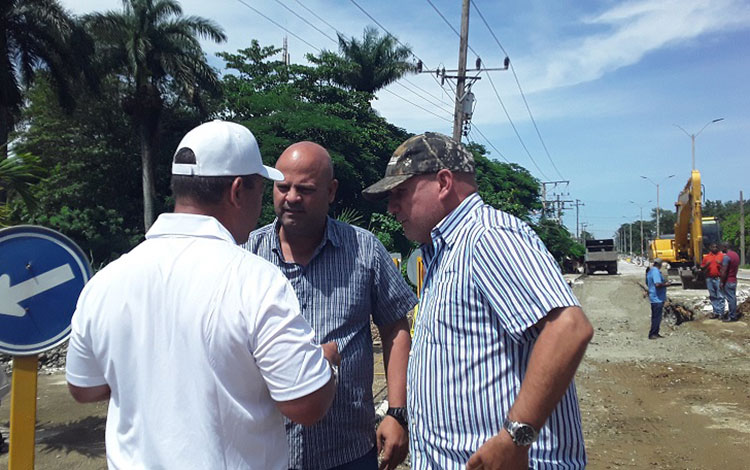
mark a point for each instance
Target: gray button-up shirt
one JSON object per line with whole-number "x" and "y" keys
{"x": 350, "y": 279}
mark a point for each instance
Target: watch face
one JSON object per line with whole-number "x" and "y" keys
{"x": 524, "y": 435}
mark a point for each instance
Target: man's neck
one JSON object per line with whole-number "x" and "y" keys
{"x": 299, "y": 247}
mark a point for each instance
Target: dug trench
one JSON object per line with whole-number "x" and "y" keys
{"x": 681, "y": 402}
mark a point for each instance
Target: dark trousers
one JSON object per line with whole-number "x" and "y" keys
{"x": 656, "y": 311}
{"x": 369, "y": 461}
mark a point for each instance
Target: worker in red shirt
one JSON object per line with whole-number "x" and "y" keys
{"x": 730, "y": 263}
{"x": 711, "y": 265}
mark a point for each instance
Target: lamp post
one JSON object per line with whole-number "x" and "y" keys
{"x": 641, "y": 208}
{"x": 630, "y": 234}
{"x": 657, "y": 199}
{"x": 693, "y": 136}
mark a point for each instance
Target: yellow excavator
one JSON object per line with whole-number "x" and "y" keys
{"x": 692, "y": 236}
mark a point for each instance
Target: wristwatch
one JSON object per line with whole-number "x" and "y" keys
{"x": 522, "y": 434}
{"x": 335, "y": 372}
{"x": 400, "y": 415}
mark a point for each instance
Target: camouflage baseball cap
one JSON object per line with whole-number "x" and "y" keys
{"x": 426, "y": 153}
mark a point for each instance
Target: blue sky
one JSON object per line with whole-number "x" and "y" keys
{"x": 606, "y": 81}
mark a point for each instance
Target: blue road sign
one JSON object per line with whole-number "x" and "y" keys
{"x": 42, "y": 273}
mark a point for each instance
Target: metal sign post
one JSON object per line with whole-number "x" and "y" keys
{"x": 42, "y": 273}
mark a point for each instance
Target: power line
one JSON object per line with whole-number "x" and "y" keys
{"x": 437, "y": 105}
{"x": 475, "y": 128}
{"x": 495, "y": 89}
{"x": 418, "y": 106}
{"x": 317, "y": 16}
{"x": 489, "y": 77}
{"x": 343, "y": 35}
{"x": 277, "y": 24}
{"x": 518, "y": 83}
{"x": 397, "y": 40}
{"x": 305, "y": 20}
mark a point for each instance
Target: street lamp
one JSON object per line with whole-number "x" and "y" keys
{"x": 630, "y": 230}
{"x": 657, "y": 198}
{"x": 693, "y": 136}
{"x": 641, "y": 208}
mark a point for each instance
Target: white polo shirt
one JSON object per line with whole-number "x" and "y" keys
{"x": 196, "y": 337}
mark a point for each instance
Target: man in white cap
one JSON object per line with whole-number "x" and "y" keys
{"x": 198, "y": 344}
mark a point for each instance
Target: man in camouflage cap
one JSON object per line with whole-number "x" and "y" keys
{"x": 425, "y": 153}
{"x": 499, "y": 334}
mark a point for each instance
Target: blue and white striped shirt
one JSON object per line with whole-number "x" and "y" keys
{"x": 488, "y": 280}
{"x": 349, "y": 279}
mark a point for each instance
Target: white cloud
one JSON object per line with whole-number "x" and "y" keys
{"x": 632, "y": 30}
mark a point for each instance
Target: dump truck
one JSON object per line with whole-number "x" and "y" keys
{"x": 600, "y": 256}
{"x": 693, "y": 233}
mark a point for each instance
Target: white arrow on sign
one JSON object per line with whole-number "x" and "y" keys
{"x": 11, "y": 296}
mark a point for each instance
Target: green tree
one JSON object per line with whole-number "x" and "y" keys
{"x": 17, "y": 176}
{"x": 37, "y": 34}
{"x": 506, "y": 186}
{"x": 560, "y": 244}
{"x": 90, "y": 190}
{"x": 153, "y": 46}
{"x": 366, "y": 65}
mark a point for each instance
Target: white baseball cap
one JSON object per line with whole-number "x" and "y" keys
{"x": 223, "y": 148}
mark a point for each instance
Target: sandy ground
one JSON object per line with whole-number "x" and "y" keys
{"x": 682, "y": 402}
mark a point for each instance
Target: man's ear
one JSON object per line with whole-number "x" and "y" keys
{"x": 332, "y": 188}
{"x": 445, "y": 182}
{"x": 235, "y": 192}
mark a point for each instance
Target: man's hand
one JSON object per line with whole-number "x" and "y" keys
{"x": 331, "y": 352}
{"x": 393, "y": 443}
{"x": 499, "y": 453}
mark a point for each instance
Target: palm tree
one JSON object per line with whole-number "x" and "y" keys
{"x": 36, "y": 34}
{"x": 155, "y": 48}
{"x": 370, "y": 64}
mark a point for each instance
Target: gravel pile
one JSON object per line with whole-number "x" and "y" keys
{"x": 49, "y": 361}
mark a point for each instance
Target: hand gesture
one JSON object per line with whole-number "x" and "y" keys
{"x": 393, "y": 443}
{"x": 331, "y": 352}
{"x": 499, "y": 453}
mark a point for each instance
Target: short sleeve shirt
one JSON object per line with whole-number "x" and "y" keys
{"x": 350, "y": 280}
{"x": 196, "y": 338}
{"x": 713, "y": 263}
{"x": 732, "y": 262}
{"x": 489, "y": 279}
{"x": 656, "y": 294}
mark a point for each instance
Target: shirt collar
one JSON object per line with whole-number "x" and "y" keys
{"x": 448, "y": 228}
{"x": 331, "y": 233}
{"x": 189, "y": 225}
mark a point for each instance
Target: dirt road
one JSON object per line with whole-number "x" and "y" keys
{"x": 682, "y": 402}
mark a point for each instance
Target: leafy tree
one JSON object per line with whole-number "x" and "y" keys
{"x": 37, "y": 34}
{"x": 505, "y": 186}
{"x": 91, "y": 191}
{"x": 667, "y": 219}
{"x": 153, "y": 46}
{"x": 285, "y": 104}
{"x": 17, "y": 175}
{"x": 367, "y": 65}
{"x": 558, "y": 241}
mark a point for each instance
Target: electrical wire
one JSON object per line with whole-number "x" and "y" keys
{"x": 518, "y": 83}
{"x": 418, "y": 106}
{"x": 317, "y": 16}
{"x": 305, "y": 20}
{"x": 340, "y": 34}
{"x": 475, "y": 128}
{"x": 493, "y": 87}
{"x": 397, "y": 40}
{"x": 505, "y": 110}
{"x": 277, "y": 24}
{"x": 436, "y": 104}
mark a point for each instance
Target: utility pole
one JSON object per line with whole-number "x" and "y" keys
{"x": 285, "y": 53}
{"x": 742, "y": 230}
{"x": 458, "y": 113}
{"x": 578, "y": 204}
